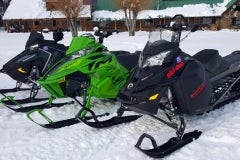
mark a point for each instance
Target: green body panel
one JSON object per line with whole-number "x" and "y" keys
{"x": 106, "y": 76}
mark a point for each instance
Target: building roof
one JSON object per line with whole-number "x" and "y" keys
{"x": 35, "y": 9}
{"x": 188, "y": 8}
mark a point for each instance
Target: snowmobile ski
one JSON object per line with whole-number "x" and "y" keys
{"x": 170, "y": 146}
{"x": 14, "y": 90}
{"x": 19, "y": 104}
{"x": 106, "y": 123}
{"x": 10, "y": 101}
{"x": 40, "y": 106}
{"x": 71, "y": 121}
{"x": 57, "y": 124}
{"x": 110, "y": 122}
{"x": 51, "y": 124}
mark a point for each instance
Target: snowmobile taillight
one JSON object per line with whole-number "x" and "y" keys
{"x": 153, "y": 97}
{"x": 21, "y": 70}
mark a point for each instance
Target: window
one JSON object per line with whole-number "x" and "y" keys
{"x": 236, "y": 21}
{"x": 37, "y": 23}
{"x": 207, "y": 20}
{"x": 237, "y": 8}
{"x": 54, "y": 23}
{"x": 148, "y": 22}
{"x": 197, "y": 20}
{"x": 214, "y": 20}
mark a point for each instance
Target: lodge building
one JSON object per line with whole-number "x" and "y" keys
{"x": 225, "y": 15}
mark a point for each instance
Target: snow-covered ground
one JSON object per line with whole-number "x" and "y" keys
{"x": 23, "y": 140}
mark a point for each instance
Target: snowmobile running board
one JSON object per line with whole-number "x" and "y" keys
{"x": 170, "y": 146}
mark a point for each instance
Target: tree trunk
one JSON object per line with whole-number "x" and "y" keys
{"x": 130, "y": 22}
{"x": 73, "y": 26}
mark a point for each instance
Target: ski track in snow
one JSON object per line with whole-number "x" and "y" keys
{"x": 23, "y": 140}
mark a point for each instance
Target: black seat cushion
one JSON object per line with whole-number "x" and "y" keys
{"x": 212, "y": 61}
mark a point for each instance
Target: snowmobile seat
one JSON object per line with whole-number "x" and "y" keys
{"x": 129, "y": 61}
{"x": 34, "y": 38}
{"x": 233, "y": 58}
{"x": 54, "y": 44}
{"x": 212, "y": 61}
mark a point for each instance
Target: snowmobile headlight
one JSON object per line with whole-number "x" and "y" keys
{"x": 156, "y": 59}
{"x": 80, "y": 53}
{"x": 33, "y": 47}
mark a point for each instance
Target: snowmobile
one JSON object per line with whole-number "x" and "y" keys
{"x": 88, "y": 70}
{"x": 28, "y": 66}
{"x": 169, "y": 82}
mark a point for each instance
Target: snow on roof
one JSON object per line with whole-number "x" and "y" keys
{"x": 35, "y": 9}
{"x": 190, "y": 10}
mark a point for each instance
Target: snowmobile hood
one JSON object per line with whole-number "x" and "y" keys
{"x": 78, "y": 55}
{"x": 80, "y": 43}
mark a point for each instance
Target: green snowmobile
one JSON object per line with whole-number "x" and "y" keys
{"x": 88, "y": 70}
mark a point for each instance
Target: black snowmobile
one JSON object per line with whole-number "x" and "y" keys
{"x": 171, "y": 81}
{"x": 28, "y": 66}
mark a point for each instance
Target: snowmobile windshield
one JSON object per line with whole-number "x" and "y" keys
{"x": 68, "y": 58}
{"x": 164, "y": 34}
{"x": 159, "y": 46}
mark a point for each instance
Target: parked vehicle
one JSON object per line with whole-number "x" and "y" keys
{"x": 171, "y": 81}
{"x": 88, "y": 70}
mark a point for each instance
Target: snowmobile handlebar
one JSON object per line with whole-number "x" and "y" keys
{"x": 179, "y": 23}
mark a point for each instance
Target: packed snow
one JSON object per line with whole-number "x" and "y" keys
{"x": 23, "y": 140}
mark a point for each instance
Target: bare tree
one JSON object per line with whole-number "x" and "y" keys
{"x": 72, "y": 9}
{"x": 131, "y": 9}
